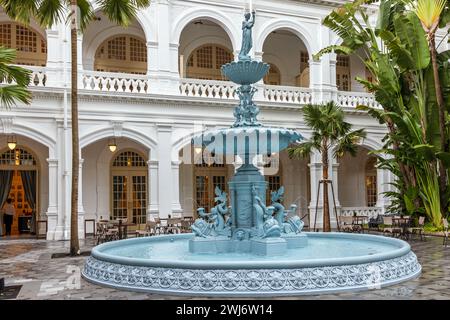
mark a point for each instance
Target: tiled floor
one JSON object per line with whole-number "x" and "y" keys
{"x": 28, "y": 262}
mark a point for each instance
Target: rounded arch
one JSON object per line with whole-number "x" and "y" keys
{"x": 182, "y": 142}
{"x": 131, "y": 134}
{"x": 209, "y": 14}
{"x": 296, "y": 28}
{"x": 147, "y": 25}
{"x": 131, "y": 49}
{"x": 29, "y": 132}
{"x": 197, "y": 43}
{"x": 92, "y": 46}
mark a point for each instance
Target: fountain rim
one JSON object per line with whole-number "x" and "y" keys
{"x": 402, "y": 249}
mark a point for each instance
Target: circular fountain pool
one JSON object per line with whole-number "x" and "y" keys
{"x": 331, "y": 262}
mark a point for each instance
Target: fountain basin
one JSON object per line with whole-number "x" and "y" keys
{"x": 331, "y": 262}
{"x": 245, "y": 72}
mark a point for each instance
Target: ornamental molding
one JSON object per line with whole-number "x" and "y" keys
{"x": 253, "y": 282}
{"x": 7, "y": 124}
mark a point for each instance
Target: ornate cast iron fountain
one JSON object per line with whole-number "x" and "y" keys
{"x": 247, "y": 225}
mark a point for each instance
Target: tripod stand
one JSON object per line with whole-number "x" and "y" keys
{"x": 326, "y": 182}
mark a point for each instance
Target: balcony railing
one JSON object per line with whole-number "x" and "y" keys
{"x": 207, "y": 88}
{"x": 354, "y": 99}
{"x": 114, "y": 82}
{"x": 212, "y": 89}
{"x": 285, "y": 94}
{"x": 371, "y": 212}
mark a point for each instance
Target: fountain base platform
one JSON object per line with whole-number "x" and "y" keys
{"x": 257, "y": 246}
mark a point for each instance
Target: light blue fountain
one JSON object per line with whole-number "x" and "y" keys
{"x": 247, "y": 226}
{"x": 245, "y": 248}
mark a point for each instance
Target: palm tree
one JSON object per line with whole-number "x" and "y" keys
{"x": 329, "y": 131}
{"x": 50, "y": 12}
{"x": 14, "y": 78}
{"x": 429, "y": 13}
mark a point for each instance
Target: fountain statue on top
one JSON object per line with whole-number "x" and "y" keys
{"x": 247, "y": 225}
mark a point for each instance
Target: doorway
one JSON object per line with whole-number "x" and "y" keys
{"x": 129, "y": 187}
{"x": 19, "y": 182}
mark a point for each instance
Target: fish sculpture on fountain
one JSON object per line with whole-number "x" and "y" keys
{"x": 215, "y": 223}
{"x": 288, "y": 225}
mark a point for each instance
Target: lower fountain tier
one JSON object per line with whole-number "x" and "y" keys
{"x": 258, "y": 246}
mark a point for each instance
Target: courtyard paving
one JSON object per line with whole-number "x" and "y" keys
{"x": 28, "y": 262}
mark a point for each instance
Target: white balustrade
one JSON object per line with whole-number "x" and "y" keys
{"x": 287, "y": 94}
{"x": 354, "y": 99}
{"x": 38, "y": 76}
{"x": 114, "y": 82}
{"x": 207, "y": 88}
{"x": 371, "y": 212}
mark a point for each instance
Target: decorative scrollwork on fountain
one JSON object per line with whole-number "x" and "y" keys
{"x": 215, "y": 223}
{"x": 288, "y": 225}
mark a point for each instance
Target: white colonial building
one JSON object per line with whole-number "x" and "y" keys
{"x": 149, "y": 88}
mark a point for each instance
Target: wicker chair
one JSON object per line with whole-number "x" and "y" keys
{"x": 149, "y": 230}
{"x": 346, "y": 223}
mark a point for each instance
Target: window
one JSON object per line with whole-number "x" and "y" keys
{"x": 205, "y": 62}
{"x": 17, "y": 157}
{"x": 371, "y": 182}
{"x": 273, "y": 184}
{"x": 343, "y": 73}
{"x": 31, "y": 46}
{"x": 129, "y": 159}
{"x": 123, "y": 53}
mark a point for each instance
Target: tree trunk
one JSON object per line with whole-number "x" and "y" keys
{"x": 326, "y": 206}
{"x": 441, "y": 107}
{"x": 74, "y": 243}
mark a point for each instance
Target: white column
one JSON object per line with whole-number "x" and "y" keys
{"x": 176, "y": 206}
{"x": 334, "y": 177}
{"x": 80, "y": 202}
{"x": 55, "y": 219}
{"x": 165, "y": 180}
{"x": 315, "y": 167}
{"x": 153, "y": 207}
{"x": 315, "y": 80}
{"x": 54, "y": 56}
{"x": 166, "y": 78}
{"x": 383, "y": 179}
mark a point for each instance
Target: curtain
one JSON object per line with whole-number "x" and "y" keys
{"x": 29, "y": 186}
{"x": 5, "y": 186}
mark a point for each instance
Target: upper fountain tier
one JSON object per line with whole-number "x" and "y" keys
{"x": 245, "y": 72}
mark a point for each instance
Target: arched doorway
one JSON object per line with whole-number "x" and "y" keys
{"x": 287, "y": 51}
{"x": 204, "y": 47}
{"x": 19, "y": 182}
{"x": 129, "y": 187}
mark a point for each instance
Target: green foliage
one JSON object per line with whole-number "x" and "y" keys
{"x": 396, "y": 51}
{"x": 15, "y": 80}
{"x": 329, "y": 129}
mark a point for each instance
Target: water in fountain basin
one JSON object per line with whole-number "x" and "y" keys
{"x": 318, "y": 248}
